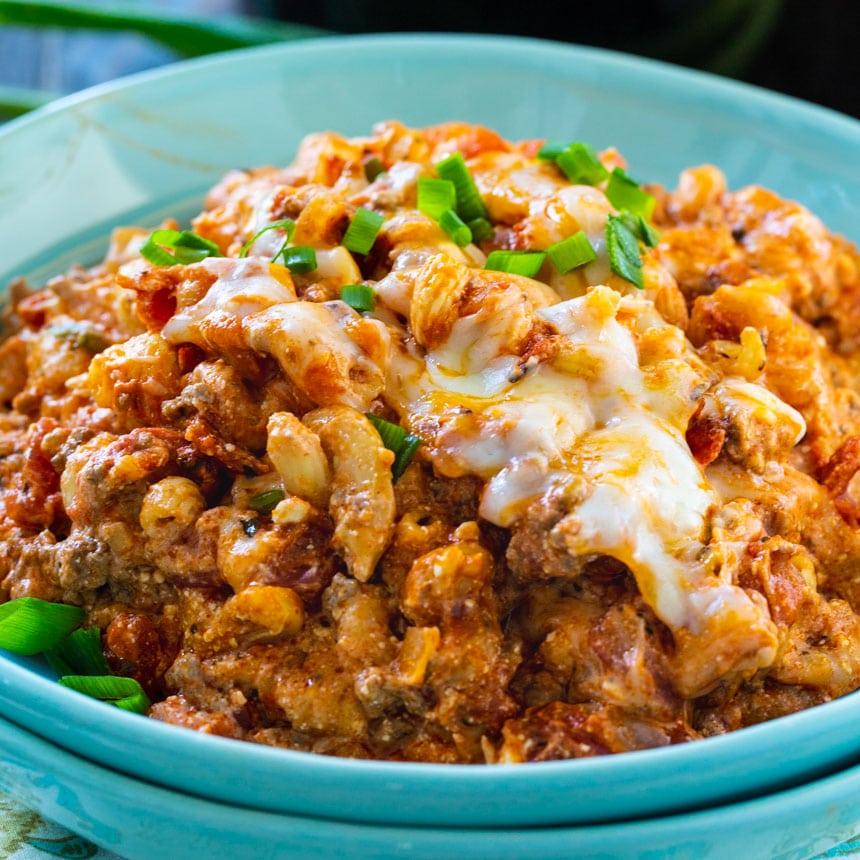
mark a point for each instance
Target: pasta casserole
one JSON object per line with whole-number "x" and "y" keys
{"x": 434, "y": 446}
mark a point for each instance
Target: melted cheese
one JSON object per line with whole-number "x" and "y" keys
{"x": 242, "y": 287}
{"x": 582, "y": 418}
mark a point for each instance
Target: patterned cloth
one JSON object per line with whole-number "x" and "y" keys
{"x": 25, "y": 835}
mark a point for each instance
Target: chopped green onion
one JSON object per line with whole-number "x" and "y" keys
{"x": 396, "y": 439}
{"x": 287, "y": 225}
{"x": 580, "y": 164}
{"x": 572, "y": 252}
{"x": 526, "y": 263}
{"x": 641, "y": 229}
{"x": 393, "y": 436}
{"x": 360, "y": 297}
{"x": 29, "y": 625}
{"x": 481, "y": 229}
{"x": 172, "y": 247}
{"x": 80, "y": 653}
{"x": 137, "y": 703}
{"x": 551, "y": 150}
{"x": 117, "y": 690}
{"x": 650, "y": 236}
{"x": 362, "y": 231}
{"x": 469, "y": 203}
{"x": 403, "y": 457}
{"x": 266, "y": 502}
{"x": 436, "y": 196}
{"x": 624, "y": 193}
{"x": 373, "y": 168}
{"x": 454, "y": 226}
{"x": 625, "y": 257}
{"x": 299, "y": 259}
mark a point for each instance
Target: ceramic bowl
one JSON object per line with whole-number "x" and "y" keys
{"x": 139, "y": 821}
{"x": 134, "y": 151}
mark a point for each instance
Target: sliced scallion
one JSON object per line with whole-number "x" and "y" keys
{"x": 117, "y": 690}
{"x": 622, "y": 246}
{"x": 625, "y": 193}
{"x": 137, "y": 703}
{"x": 580, "y": 164}
{"x": 373, "y": 168}
{"x": 287, "y": 225}
{"x": 481, "y": 229}
{"x": 455, "y": 227}
{"x": 641, "y": 229}
{"x": 29, "y": 625}
{"x": 527, "y": 263}
{"x": 362, "y": 231}
{"x": 436, "y": 196}
{"x": 469, "y": 202}
{"x": 396, "y": 439}
{"x": 171, "y": 247}
{"x": 299, "y": 259}
{"x": 80, "y": 653}
{"x": 572, "y": 252}
{"x": 551, "y": 150}
{"x": 360, "y": 297}
{"x": 404, "y": 456}
{"x": 266, "y": 502}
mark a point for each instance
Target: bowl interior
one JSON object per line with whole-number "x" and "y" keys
{"x": 136, "y": 151}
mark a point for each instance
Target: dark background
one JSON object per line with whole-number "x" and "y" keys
{"x": 806, "y": 48}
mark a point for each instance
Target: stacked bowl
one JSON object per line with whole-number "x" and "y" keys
{"x": 139, "y": 150}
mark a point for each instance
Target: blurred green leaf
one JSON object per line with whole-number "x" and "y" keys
{"x": 720, "y": 36}
{"x": 189, "y": 35}
{"x": 16, "y": 101}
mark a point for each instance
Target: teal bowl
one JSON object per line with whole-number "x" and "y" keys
{"x": 139, "y": 821}
{"x": 137, "y": 150}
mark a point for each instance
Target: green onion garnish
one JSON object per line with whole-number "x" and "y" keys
{"x": 469, "y": 203}
{"x": 580, "y": 164}
{"x": 373, "y": 168}
{"x": 526, "y": 263}
{"x": 454, "y": 226}
{"x": 360, "y": 297}
{"x": 172, "y": 247}
{"x": 436, "y": 196}
{"x": 481, "y": 229}
{"x": 287, "y": 225}
{"x": 29, "y": 625}
{"x": 551, "y": 150}
{"x": 403, "y": 457}
{"x": 125, "y": 693}
{"x": 362, "y": 231}
{"x": 625, "y": 257}
{"x": 137, "y": 703}
{"x": 299, "y": 259}
{"x": 641, "y": 229}
{"x": 266, "y": 502}
{"x": 396, "y": 439}
{"x": 80, "y": 653}
{"x": 572, "y": 252}
{"x": 624, "y": 193}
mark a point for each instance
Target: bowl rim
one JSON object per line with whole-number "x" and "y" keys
{"x": 825, "y": 795}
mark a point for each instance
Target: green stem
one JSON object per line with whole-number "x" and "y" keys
{"x": 721, "y": 36}
{"x": 188, "y": 35}
{"x": 16, "y": 101}
{"x": 735, "y": 56}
